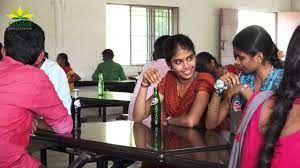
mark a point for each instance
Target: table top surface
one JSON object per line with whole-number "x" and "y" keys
{"x": 216, "y": 158}
{"x": 92, "y": 92}
{"x": 139, "y": 136}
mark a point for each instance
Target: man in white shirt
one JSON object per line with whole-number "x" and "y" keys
{"x": 59, "y": 80}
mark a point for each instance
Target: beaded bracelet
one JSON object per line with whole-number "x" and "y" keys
{"x": 245, "y": 86}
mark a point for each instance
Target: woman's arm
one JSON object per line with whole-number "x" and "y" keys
{"x": 193, "y": 117}
{"x": 76, "y": 77}
{"x": 217, "y": 111}
{"x": 141, "y": 109}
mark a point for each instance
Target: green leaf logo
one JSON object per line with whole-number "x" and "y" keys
{"x": 20, "y": 14}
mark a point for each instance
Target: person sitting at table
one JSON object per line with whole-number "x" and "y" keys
{"x": 159, "y": 63}
{"x": 256, "y": 56}
{"x": 58, "y": 78}
{"x": 109, "y": 69}
{"x": 25, "y": 91}
{"x": 274, "y": 121}
{"x": 184, "y": 93}
{"x": 206, "y": 63}
{"x": 62, "y": 60}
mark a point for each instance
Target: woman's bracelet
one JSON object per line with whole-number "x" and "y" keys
{"x": 144, "y": 85}
{"x": 212, "y": 109}
{"x": 245, "y": 86}
{"x": 217, "y": 94}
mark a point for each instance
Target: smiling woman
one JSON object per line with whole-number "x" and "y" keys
{"x": 184, "y": 93}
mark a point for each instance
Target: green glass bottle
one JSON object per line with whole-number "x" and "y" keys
{"x": 155, "y": 109}
{"x": 156, "y": 137}
{"x": 100, "y": 84}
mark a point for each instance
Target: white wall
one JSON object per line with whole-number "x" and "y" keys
{"x": 77, "y": 27}
{"x": 43, "y": 15}
{"x": 295, "y": 5}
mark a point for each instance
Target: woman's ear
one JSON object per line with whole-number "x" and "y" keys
{"x": 260, "y": 57}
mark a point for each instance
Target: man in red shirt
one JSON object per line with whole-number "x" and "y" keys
{"x": 25, "y": 91}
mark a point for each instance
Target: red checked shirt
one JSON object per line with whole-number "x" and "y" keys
{"x": 24, "y": 91}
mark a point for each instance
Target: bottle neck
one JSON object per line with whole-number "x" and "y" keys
{"x": 75, "y": 94}
{"x": 155, "y": 92}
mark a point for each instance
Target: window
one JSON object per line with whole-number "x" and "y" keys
{"x": 131, "y": 30}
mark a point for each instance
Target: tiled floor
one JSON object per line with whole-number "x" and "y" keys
{"x": 60, "y": 160}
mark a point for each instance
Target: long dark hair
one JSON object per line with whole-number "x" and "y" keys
{"x": 288, "y": 90}
{"x": 64, "y": 57}
{"x": 203, "y": 61}
{"x": 158, "y": 47}
{"x": 173, "y": 43}
{"x": 254, "y": 39}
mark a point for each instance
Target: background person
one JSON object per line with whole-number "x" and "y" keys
{"x": 58, "y": 78}
{"x": 62, "y": 60}
{"x": 109, "y": 69}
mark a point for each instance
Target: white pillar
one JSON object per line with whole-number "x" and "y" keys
{"x": 59, "y": 25}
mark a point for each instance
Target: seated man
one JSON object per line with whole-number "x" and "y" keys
{"x": 25, "y": 91}
{"x": 110, "y": 69}
{"x": 58, "y": 78}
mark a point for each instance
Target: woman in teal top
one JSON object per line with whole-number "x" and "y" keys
{"x": 256, "y": 55}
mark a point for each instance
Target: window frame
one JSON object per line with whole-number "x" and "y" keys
{"x": 173, "y": 22}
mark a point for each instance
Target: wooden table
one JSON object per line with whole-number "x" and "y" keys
{"x": 134, "y": 141}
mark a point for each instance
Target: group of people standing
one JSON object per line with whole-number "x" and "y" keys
{"x": 263, "y": 88}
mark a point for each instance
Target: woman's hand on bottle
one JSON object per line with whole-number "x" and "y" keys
{"x": 151, "y": 76}
{"x": 230, "y": 79}
{"x": 233, "y": 90}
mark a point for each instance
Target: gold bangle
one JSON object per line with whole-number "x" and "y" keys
{"x": 217, "y": 94}
{"x": 212, "y": 109}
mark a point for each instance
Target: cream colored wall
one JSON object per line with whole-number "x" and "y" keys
{"x": 43, "y": 15}
{"x": 77, "y": 27}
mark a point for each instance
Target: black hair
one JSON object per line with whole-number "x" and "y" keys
{"x": 254, "y": 39}
{"x": 288, "y": 90}
{"x": 46, "y": 55}
{"x": 174, "y": 43}
{"x": 158, "y": 47}
{"x": 24, "y": 41}
{"x": 0, "y": 51}
{"x": 108, "y": 54}
{"x": 203, "y": 62}
{"x": 64, "y": 56}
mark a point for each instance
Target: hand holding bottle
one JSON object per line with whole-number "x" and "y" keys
{"x": 151, "y": 77}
